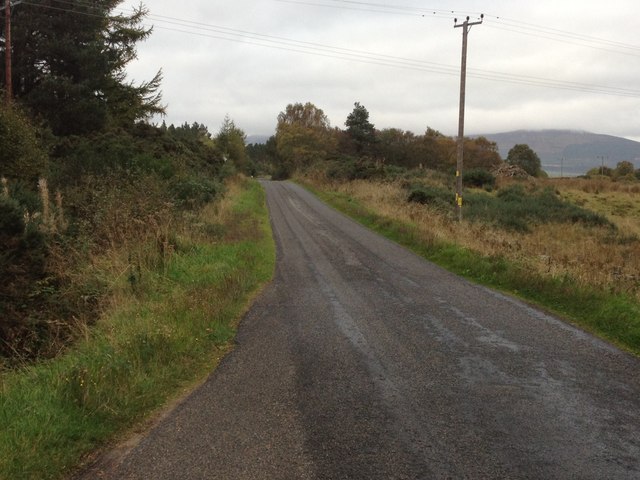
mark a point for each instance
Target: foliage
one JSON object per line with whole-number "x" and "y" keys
{"x": 194, "y": 191}
{"x": 361, "y": 131}
{"x": 21, "y": 155}
{"x": 166, "y": 152}
{"x": 303, "y": 135}
{"x": 481, "y": 153}
{"x": 150, "y": 344}
{"x": 30, "y": 290}
{"x": 515, "y": 209}
{"x": 120, "y": 189}
{"x": 230, "y": 142}
{"x": 624, "y": 170}
{"x": 69, "y": 63}
{"x": 306, "y": 116}
{"x": 524, "y": 157}
{"x": 478, "y": 177}
{"x": 282, "y": 171}
{"x": 304, "y": 138}
{"x": 512, "y": 208}
{"x": 397, "y": 146}
{"x": 433, "y": 196}
{"x": 602, "y": 171}
{"x": 351, "y": 168}
{"x": 263, "y": 156}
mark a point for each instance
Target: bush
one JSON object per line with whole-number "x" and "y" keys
{"x": 350, "y": 168}
{"x": 515, "y": 209}
{"x": 21, "y": 155}
{"x": 394, "y": 171}
{"x": 193, "y": 192}
{"x": 26, "y": 289}
{"x": 282, "y": 172}
{"x": 11, "y": 219}
{"x": 478, "y": 177}
{"x": 435, "y": 197}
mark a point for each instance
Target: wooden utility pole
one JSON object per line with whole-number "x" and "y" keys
{"x": 466, "y": 26}
{"x": 8, "y": 85}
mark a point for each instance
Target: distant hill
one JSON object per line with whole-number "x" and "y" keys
{"x": 256, "y": 139}
{"x": 573, "y": 152}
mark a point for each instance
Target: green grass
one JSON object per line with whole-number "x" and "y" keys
{"x": 139, "y": 355}
{"x": 615, "y": 317}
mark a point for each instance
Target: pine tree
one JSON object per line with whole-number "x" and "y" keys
{"x": 69, "y": 60}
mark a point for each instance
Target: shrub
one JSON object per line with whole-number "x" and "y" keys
{"x": 515, "y": 209}
{"x": 435, "y": 197}
{"x": 478, "y": 177}
{"x": 282, "y": 172}
{"x": 11, "y": 219}
{"x": 350, "y": 168}
{"x": 193, "y": 191}
{"x": 394, "y": 171}
{"x": 21, "y": 155}
{"x": 25, "y": 287}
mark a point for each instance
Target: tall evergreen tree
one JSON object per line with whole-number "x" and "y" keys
{"x": 69, "y": 59}
{"x": 359, "y": 128}
{"x": 230, "y": 141}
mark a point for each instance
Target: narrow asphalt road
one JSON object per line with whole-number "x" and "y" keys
{"x": 362, "y": 361}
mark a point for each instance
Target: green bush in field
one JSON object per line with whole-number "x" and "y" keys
{"x": 351, "y": 168}
{"x": 433, "y": 196}
{"x": 513, "y": 208}
{"x": 478, "y": 177}
{"x": 193, "y": 191}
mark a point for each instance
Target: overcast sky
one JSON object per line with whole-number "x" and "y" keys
{"x": 531, "y": 64}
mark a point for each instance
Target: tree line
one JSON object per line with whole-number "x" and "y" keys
{"x": 304, "y": 136}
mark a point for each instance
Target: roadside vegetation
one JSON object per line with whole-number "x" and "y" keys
{"x": 128, "y": 250}
{"x": 161, "y": 334}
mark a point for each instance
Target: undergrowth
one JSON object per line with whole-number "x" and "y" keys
{"x": 154, "y": 339}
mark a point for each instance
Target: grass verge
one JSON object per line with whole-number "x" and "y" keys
{"x": 615, "y": 317}
{"x": 166, "y": 335}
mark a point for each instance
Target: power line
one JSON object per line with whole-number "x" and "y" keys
{"x": 501, "y": 23}
{"x": 524, "y": 26}
{"x": 341, "y": 53}
{"x": 353, "y": 8}
{"x": 346, "y": 54}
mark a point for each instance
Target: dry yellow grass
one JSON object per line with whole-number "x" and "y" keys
{"x": 592, "y": 256}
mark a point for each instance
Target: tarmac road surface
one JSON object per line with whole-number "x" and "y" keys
{"x": 362, "y": 361}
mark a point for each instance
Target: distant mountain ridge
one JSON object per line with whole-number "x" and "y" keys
{"x": 570, "y": 152}
{"x": 256, "y": 139}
